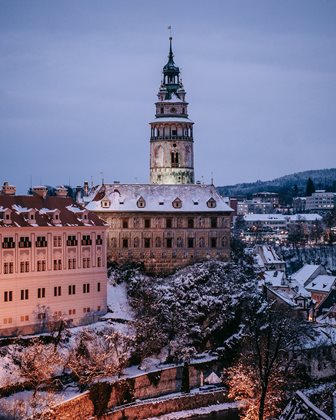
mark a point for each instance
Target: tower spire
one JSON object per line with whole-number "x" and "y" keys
{"x": 171, "y": 55}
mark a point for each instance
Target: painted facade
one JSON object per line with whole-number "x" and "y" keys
{"x": 164, "y": 227}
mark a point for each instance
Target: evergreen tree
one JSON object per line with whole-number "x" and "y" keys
{"x": 310, "y": 188}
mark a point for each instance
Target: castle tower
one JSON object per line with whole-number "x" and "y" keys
{"x": 171, "y": 142}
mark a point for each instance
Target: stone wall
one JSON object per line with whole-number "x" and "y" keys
{"x": 128, "y": 390}
{"x": 158, "y": 408}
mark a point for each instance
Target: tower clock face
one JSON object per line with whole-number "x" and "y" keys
{"x": 173, "y": 110}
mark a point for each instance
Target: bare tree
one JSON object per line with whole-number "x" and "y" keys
{"x": 98, "y": 354}
{"x": 38, "y": 406}
{"x": 261, "y": 371}
{"x": 37, "y": 363}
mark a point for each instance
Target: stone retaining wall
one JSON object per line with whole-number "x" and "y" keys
{"x": 158, "y": 408}
{"x": 128, "y": 390}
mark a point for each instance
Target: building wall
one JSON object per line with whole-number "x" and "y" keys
{"x": 162, "y": 171}
{"x": 147, "y": 238}
{"x": 29, "y": 276}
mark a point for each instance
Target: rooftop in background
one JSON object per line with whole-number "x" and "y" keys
{"x": 307, "y": 272}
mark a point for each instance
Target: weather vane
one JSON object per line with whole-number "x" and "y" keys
{"x": 170, "y": 30}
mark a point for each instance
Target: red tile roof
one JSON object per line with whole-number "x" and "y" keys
{"x": 70, "y": 213}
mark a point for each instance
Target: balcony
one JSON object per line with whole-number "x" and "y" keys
{"x": 190, "y": 138}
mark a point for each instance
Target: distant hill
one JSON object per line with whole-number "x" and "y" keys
{"x": 287, "y": 186}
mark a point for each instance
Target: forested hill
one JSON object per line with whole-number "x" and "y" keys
{"x": 287, "y": 186}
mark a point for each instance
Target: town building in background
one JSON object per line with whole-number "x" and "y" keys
{"x": 52, "y": 262}
{"x": 321, "y": 200}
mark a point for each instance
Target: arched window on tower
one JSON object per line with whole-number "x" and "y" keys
{"x": 174, "y": 159}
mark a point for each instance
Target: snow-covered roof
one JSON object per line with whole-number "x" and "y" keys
{"x": 282, "y": 217}
{"x": 173, "y": 99}
{"x": 124, "y": 197}
{"x": 321, "y": 283}
{"x": 171, "y": 119}
{"x": 275, "y": 278}
{"x": 305, "y": 273}
{"x": 268, "y": 255}
{"x": 309, "y": 217}
{"x": 20, "y": 209}
{"x": 264, "y": 217}
{"x": 299, "y": 289}
{"x": 44, "y": 208}
{"x": 213, "y": 379}
{"x": 286, "y": 297}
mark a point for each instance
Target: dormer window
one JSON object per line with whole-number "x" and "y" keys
{"x": 56, "y": 216}
{"x": 141, "y": 203}
{"x": 31, "y": 216}
{"x": 105, "y": 203}
{"x": 211, "y": 203}
{"x": 177, "y": 203}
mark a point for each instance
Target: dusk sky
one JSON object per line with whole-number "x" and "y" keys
{"x": 78, "y": 82}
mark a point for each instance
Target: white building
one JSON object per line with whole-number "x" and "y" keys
{"x": 321, "y": 200}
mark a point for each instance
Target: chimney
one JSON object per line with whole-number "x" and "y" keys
{"x": 78, "y": 197}
{"x": 86, "y": 188}
{"x": 8, "y": 189}
{"x": 62, "y": 191}
{"x": 41, "y": 191}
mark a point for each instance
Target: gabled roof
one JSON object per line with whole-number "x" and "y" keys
{"x": 321, "y": 283}
{"x": 306, "y": 272}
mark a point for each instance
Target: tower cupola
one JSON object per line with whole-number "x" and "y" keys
{"x": 171, "y": 74}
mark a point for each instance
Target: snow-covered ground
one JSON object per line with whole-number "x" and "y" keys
{"x": 117, "y": 302}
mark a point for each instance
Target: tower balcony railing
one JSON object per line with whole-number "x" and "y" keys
{"x": 171, "y": 137}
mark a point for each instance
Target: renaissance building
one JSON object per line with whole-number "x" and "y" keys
{"x": 173, "y": 221}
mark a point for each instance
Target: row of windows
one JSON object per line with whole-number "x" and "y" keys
{"x": 169, "y": 223}
{"x": 42, "y": 316}
{"x": 57, "y": 265}
{"x": 8, "y": 295}
{"x": 169, "y": 242}
{"x": 41, "y": 241}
